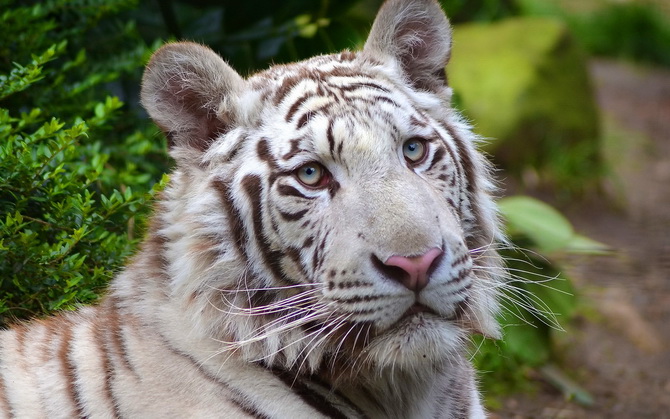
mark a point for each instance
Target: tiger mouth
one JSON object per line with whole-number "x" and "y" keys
{"x": 416, "y": 309}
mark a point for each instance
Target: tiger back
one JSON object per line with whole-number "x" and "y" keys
{"x": 324, "y": 248}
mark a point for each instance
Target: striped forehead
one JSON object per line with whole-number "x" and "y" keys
{"x": 340, "y": 110}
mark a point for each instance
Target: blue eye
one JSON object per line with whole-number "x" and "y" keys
{"x": 414, "y": 150}
{"x": 311, "y": 174}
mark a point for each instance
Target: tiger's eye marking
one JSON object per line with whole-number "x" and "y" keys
{"x": 287, "y": 190}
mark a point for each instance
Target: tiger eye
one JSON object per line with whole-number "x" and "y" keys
{"x": 414, "y": 150}
{"x": 311, "y": 174}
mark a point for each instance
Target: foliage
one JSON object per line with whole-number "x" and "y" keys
{"x": 479, "y": 10}
{"x": 633, "y": 30}
{"x": 70, "y": 178}
{"x": 538, "y": 300}
{"x": 630, "y": 30}
{"x": 253, "y": 35}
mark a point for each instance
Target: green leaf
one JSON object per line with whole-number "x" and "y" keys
{"x": 527, "y": 343}
{"x": 545, "y": 226}
{"x": 585, "y": 245}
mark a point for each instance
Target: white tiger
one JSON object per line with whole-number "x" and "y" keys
{"x": 323, "y": 249}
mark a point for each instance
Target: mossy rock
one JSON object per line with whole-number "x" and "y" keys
{"x": 525, "y": 85}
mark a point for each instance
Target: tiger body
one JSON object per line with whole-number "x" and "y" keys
{"x": 323, "y": 249}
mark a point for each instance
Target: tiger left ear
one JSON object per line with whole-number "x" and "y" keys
{"x": 417, "y": 35}
{"x": 192, "y": 95}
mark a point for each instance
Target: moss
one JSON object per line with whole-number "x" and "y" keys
{"x": 525, "y": 84}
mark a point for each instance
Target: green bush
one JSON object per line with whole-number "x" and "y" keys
{"x": 76, "y": 167}
{"x": 630, "y": 30}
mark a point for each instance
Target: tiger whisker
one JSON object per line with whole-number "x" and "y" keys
{"x": 333, "y": 329}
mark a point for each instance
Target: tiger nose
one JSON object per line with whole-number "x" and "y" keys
{"x": 413, "y": 272}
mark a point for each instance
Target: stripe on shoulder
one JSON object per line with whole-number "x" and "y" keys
{"x": 309, "y": 396}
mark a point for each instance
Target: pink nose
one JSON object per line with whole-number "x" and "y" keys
{"x": 416, "y": 269}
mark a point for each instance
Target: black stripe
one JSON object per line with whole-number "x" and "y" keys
{"x": 292, "y": 216}
{"x": 70, "y": 370}
{"x": 263, "y": 151}
{"x": 333, "y": 188}
{"x": 374, "y": 100}
{"x": 316, "y": 380}
{"x": 271, "y": 258}
{"x": 331, "y": 138}
{"x": 309, "y": 396}
{"x": 288, "y": 84}
{"x": 295, "y": 149}
{"x": 457, "y": 165}
{"x": 467, "y": 165}
{"x": 317, "y": 258}
{"x": 362, "y": 85}
{"x": 305, "y": 118}
{"x": 236, "y": 226}
{"x": 294, "y": 255}
{"x": 237, "y": 398}
{"x": 287, "y": 190}
{"x": 101, "y": 329}
{"x": 437, "y": 157}
{"x": 117, "y": 339}
{"x": 308, "y": 242}
{"x": 471, "y": 184}
{"x": 294, "y": 108}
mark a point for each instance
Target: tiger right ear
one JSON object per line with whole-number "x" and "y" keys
{"x": 417, "y": 35}
{"x": 191, "y": 94}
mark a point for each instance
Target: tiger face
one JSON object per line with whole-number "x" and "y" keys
{"x": 332, "y": 210}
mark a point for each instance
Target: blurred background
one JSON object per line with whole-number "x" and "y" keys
{"x": 572, "y": 98}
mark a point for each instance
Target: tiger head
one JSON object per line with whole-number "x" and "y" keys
{"x": 333, "y": 209}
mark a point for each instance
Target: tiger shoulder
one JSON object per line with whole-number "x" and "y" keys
{"x": 324, "y": 248}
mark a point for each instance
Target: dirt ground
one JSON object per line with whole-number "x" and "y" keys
{"x": 619, "y": 347}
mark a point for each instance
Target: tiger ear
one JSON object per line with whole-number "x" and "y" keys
{"x": 191, "y": 94}
{"x": 417, "y": 35}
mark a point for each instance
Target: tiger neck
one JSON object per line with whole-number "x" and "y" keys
{"x": 425, "y": 391}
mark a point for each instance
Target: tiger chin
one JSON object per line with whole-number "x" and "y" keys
{"x": 325, "y": 248}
